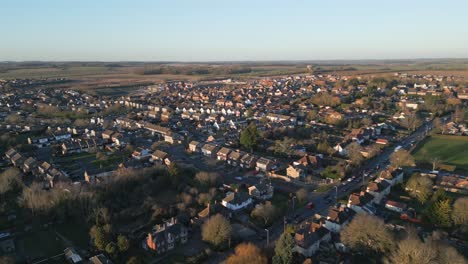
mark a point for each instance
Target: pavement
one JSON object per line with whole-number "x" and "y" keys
{"x": 371, "y": 168}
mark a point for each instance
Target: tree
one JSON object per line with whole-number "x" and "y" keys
{"x": 368, "y": 234}
{"x": 301, "y": 194}
{"x": 265, "y": 211}
{"x": 401, "y": 158}
{"x": 247, "y": 253}
{"x": 412, "y": 250}
{"x": 449, "y": 255}
{"x": 419, "y": 187}
{"x": 9, "y": 180}
{"x": 411, "y": 121}
{"x": 217, "y": 230}
{"x": 7, "y": 260}
{"x": 101, "y": 237}
{"x": 284, "y": 249}
{"x": 284, "y": 146}
{"x": 249, "y": 137}
{"x": 111, "y": 249}
{"x": 353, "y": 152}
{"x": 440, "y": 213}
{"x": 208, "y": 178}
{"x": 460, "y": 212}
{"x": 134, "y": 260}
{"x": 123, "y": 243}
{"x": 435, "y": 163}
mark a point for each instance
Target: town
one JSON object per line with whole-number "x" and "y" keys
{"x": 316, "y": 167}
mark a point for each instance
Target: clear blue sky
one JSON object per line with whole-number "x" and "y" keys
{"x": 152, "y": 30}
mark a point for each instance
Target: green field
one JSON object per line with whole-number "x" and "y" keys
{"x": 451, "y": 150}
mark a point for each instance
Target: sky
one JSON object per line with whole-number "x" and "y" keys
{"x": 238, "y": 30}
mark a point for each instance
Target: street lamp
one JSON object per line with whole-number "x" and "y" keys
{"x": 268, "y": 236}
{"x": 336, "y": 193}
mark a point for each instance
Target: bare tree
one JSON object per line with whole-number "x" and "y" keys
{"x": 216, "y": 230}
{"x": 401, "y": 158}
{"x": 367, "y": 233}
{"x": 247, "y": 253}
{"x": 265, "y": 211}
{"x": 460, "y": 212}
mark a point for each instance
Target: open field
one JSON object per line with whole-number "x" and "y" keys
{"x": 451, "y": 150}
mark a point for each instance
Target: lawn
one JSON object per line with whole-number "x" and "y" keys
{"x": 40, "y": 244}
{"x": 451, "y": 150}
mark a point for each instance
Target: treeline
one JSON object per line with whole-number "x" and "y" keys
{"x": 193, "y": 70}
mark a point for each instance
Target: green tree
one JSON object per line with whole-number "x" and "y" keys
{"x": 123, "y": 243}
{"x": 100, "y": 237}
{"x": 284, "y": 249}
{"x": 249, "y": 137}
{"x": 440, "y": 213}
{"x": 111, "y": 249}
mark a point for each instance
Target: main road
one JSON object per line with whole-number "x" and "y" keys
{"x": 322, "y": 200}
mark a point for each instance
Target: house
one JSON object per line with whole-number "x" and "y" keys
{"x": 296, "y": 171}
{"x": 44, "y": 167}
{"x": 29, "y": 164}
{"x": 72, "y": 256}
{"x": 195, "y": 146}
{"x": 379, "y": 190}
{"x": 394, "y": 177}
{"x": 308, "y": 238}
{"x": 361, "y": 202}
{"x": 100, "y": 259}
{"x": 308, "y": 161}
{"x": 395, "y": 206}
{"x": 141, "y": 153}
{"x": 107, "y": 134}
{"x": 166, "y": 236}
{"x": 261, "y": 191}
{"x": 236, "y": 200}
{"x": 248, "y": 161}
{"x": 10, "y": 153}
{"x": 223, "y": 153}
{"x": 338, "y": 217}
{"x": 158, "y": 155}
{"x": 264, "y": 164}
{"x": 234, "y": 157}
{"x": 209, "y": 150}
{"x": 381, "y": 141}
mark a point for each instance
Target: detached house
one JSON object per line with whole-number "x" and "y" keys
{"x": 195, "y": 146}
{"x": 165, "y": 237}
{"x": 209, "y": 150}
{"x": 264, "y": 164}
{"x": 379, "y": 190}
{"x": 262, "y": 191}
{"x": 223, "y": 153}
{"x": 234, "y": 157}
{"x": 236, "y": 200}
{"x": 338, "y": 217}
{"x": 248, "y": 161}
{"x": 361, "y": 202}
{"x": 308, "y": 238}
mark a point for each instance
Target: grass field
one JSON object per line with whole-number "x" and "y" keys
{"x": 451, "y": 150}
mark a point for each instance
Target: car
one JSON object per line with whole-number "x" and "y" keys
{"x": 310, "y": 205}
{"x": 328, "y": 201}
{"x": 238, "y": 178}
{"x": 326, "y": 196}
{"x": 350, "y": 179}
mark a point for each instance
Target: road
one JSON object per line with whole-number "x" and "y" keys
{"x": 372, "y": 168}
